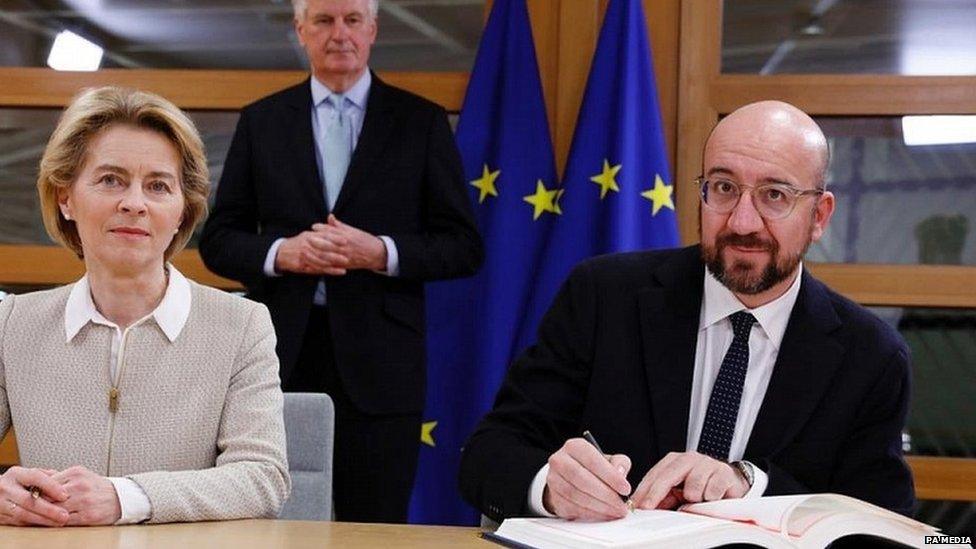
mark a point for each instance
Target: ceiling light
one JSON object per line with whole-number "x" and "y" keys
{"x": 938, "y": 130}
{"x": 71, "y": 52}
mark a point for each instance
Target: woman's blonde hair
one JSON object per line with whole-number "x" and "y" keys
{"x": 94, "y": 110}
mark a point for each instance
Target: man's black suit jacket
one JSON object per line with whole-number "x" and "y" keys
{"x": 404, "y": 181}
{"x": 616, "y": 355}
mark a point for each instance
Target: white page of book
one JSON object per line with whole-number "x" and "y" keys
{"x": 819, "y": 506}
{"x": 794, "y": 514}
{"x": 767, "y": 512}
{"x": 633, "y": 528}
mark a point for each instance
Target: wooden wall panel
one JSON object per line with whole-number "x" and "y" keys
{"x": 942, "y": 478}
{"x": 901, "y": 285}
{"x": 853, "y": 94}
{"x": 8, "y": 450}
{"x": 543, "y": 14}
{"x": 53, "y": 265}
{"x": 200, "y": 89}
{"x": 578, "y": 30}
{"x": 699, "y": 62}
{"x": 664, "y": 26}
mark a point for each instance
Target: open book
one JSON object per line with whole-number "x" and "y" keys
{"x": 804, "y": 521}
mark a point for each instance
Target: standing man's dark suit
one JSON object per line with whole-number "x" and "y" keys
{"x": 615, "y": 355}
{"x": 404, "y": 181}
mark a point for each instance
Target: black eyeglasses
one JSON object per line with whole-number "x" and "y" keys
{"x": 772, "y": 201}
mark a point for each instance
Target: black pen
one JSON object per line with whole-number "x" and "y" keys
{"x": 588, "y": 436}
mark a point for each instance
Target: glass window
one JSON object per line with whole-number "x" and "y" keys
{"x": 898, "y": 203}
{"x": 943, "y": 345}
{"x": 23, "y": 136}
{"x": 913, "y": 37}
{"x": 954, "y": 518}
{"x": 414, "y": 35}
{"x": 940, "y": 422}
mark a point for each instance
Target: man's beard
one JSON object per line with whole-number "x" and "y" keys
{"x": 739, "y": 276}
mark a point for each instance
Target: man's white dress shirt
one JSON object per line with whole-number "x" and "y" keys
{"x": 714, "y": 338}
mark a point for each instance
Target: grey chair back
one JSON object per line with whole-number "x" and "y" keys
{"x": 488, "y": 525}
{"x": 310, "y": 429}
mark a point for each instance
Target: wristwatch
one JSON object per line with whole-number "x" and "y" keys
{"x": 745, "y": 469}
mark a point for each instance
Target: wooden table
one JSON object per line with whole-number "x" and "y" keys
{"x": 245, "y": 534}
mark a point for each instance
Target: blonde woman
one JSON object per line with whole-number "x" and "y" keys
{"x": 136, "y": 394}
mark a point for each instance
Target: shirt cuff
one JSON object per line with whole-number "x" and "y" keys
{"x": 269, "y": 260}
{"x": 536, "y": 490}
{"x": 392, "y": 258}
{"x": 133, "y": 500}
{"x": 760, "y": 480}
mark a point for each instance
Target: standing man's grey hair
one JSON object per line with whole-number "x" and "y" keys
{"x": 372, "y": 7}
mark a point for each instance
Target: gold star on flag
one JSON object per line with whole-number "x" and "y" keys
{"x": 607, "y": 180}
{"x": 544, "y": 200}
{"x": 486, "y": 183}
{"x": 660, "y": 195}
{"x": 427, "y": 432}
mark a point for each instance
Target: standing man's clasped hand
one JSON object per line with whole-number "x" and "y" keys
{"x": 331, "y": 248}
{"x": 361, "y": 249}
{"x": 688, "y": 477}
{"x": 585, "y": 484}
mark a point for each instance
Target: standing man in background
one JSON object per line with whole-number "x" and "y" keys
{"x": 340, "y": 197}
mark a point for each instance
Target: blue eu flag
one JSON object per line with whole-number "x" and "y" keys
{"x": 618, "y": 192}
{"x": 503, "y": 136}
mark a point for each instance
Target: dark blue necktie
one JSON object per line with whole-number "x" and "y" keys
{"x": 723, "y": 404}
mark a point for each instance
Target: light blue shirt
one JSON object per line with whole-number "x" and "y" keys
{"x": 324, "y": 112}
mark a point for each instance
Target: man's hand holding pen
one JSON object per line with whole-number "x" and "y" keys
{"x": 585, "y": 484}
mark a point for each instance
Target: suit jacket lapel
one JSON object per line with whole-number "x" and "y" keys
{"x": 303, "y": 147}
{"x": 377, "y": 126}
{"x": 669, "y": 313}
{"x": 805, "y": 366}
